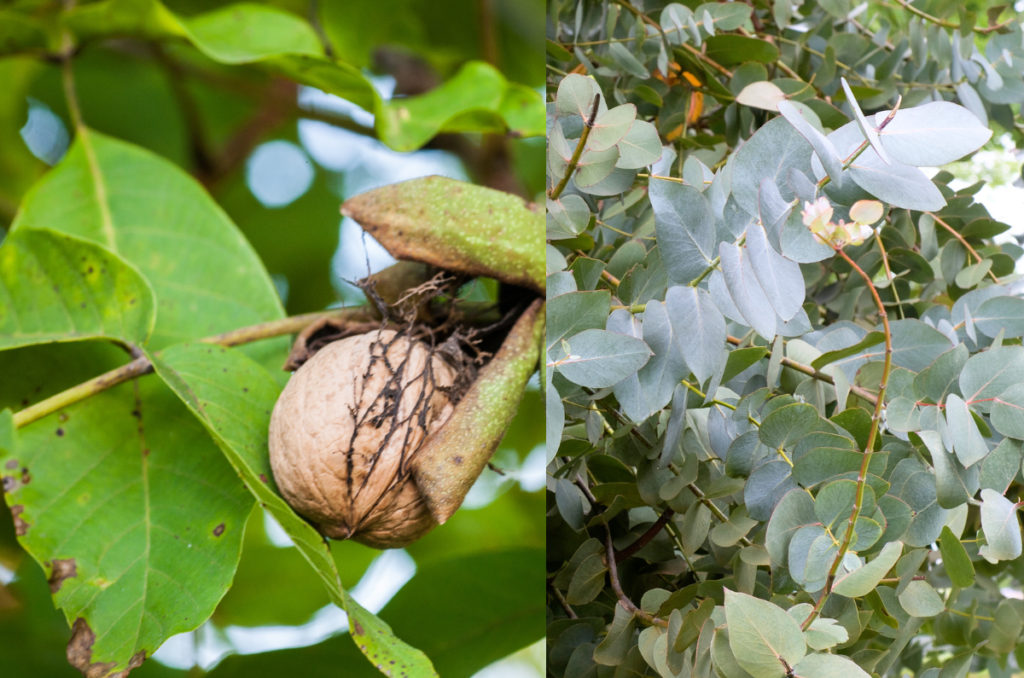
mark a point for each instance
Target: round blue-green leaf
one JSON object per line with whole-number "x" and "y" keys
{"x": 787, "y": 425}
{"x": 762, "y": 635}
{"x": 600, "y": 358}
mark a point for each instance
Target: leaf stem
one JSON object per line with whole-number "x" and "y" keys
{"x": 876, "y": 417}
{"x": 888, "y": 273}
{"x": 588, "y": 124}
{"x": 963, "y": 242}
{"x": 142, "y": 366}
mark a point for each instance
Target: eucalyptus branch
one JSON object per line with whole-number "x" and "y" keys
{"x": 613, "y": 576}
{"x": 588, "y": 124}
{"x": 644, "y": 539}
{"x": 963, "y": 242}
{"x": 143, "y": 365}
{"x": 562, "y": 601}
{"x": 888, "y": 273}
{"x": 948, "y": 24}
{"x": 876, "y": 417}
{"x": 864, "y": 144}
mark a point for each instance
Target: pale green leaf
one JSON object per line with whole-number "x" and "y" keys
{"x": 56, "y": 287}
{"x": 863, "y": 580}
{"x": 761, "y": 635}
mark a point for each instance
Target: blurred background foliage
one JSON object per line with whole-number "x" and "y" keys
{"x": 280, "y": 158}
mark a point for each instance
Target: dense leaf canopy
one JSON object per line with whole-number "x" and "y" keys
{"x": 815, "y": 469}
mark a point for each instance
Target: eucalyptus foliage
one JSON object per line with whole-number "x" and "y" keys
{"x": 784, "y": 361}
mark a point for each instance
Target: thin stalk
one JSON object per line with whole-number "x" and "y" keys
{"x": 963, "y": 242}
{"x": 574, "y": 161}
{"x": 876, "y": 417}
{"x": 142, "y": 365}
{"x": 888, "y": 273}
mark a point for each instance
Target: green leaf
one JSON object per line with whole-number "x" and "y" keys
{"x": 612, "y": 650}
{"x": 942, "y": 377}
{"x": 206, "y": 277}
{"x": 864, "y": 579}
{"x": 1000, "y": 314}
{"x": 787, "y": 425}
{"x": 699, "y": 328}
{"x": 232, "y": 397}
{"x": 828, "y": 666}
{"x": 988, "y": 374}
{"x": 746, "y": 292}
{"x": 973, "y": 274}
{"x": 1000, "y": 467}
{"x": 866, "y": 128}
{"x": 740, "y": 359}
{"x": 932, "y": 135}
{"x": 954, "y": 485}
{"x": 464, "y": 636}
{"x": 1002, "y": 529}
{"x": 1008, "y": 624}
{"x": 243, "y": 33}
{"x": 588, "y": 581}
{"x": 457, "y": 226}
{"x": 126, "y": 501}
{"x": 610, "y": 127}
{"x": 958, "y": 666}
{"x": 915, "y": 485}
{"x": 919, "y": 599}
{"x": 1008, "y": 412}
{"x": 684, "y": 222}
{"x": 968, "y": 444}
{"x": 765, "y": 488}
{"x": 601, "y": 358}
{"x": 736, "y": 49}
{"x": 55, "y": 287}
{"x": 774, "y": 150}
{"x": 571, "y": 211}
{"x": 826, "y": 152}
{"x": 869, "y": 340}
{"x": 20, "y": 33}
{"x": 722, "y": 657}
{"x": 572, "y": 313}
{"x": 761, "y": 635}
{"x": 640, "y": 147}
{"x": 954, "y": 556}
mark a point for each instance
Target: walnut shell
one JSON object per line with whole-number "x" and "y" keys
{"x": 339, "y": 453}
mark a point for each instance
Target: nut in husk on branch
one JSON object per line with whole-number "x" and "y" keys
{"x": 392, "y": 415}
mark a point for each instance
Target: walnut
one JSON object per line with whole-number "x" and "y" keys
{"x": 344, "y": 431}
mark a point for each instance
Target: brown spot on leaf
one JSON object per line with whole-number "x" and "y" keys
{"x": 219, "y": 530}
{"x": 26, "y": 477}
{"x": 12, "y": 464}
{"x": 20, "y": 525}
{"x": 457, "y": 459}
{"x": 9, "y": 483}
{"x": 62, "y": 417}
{"x": 63, "y": 568}
{"x": 60, "y": 433}
{"x": 80, "y": 654}
{"x": 357, "y": 629}
{"x": 263, "y": 477}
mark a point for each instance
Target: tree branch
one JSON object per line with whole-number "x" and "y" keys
{"x": 963, "y": 242}
{"x": 644, "y": 539}
{"x": 588, "y": 124}
{"x": 876, "y": 417}
{"x": 143, "y": 365}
